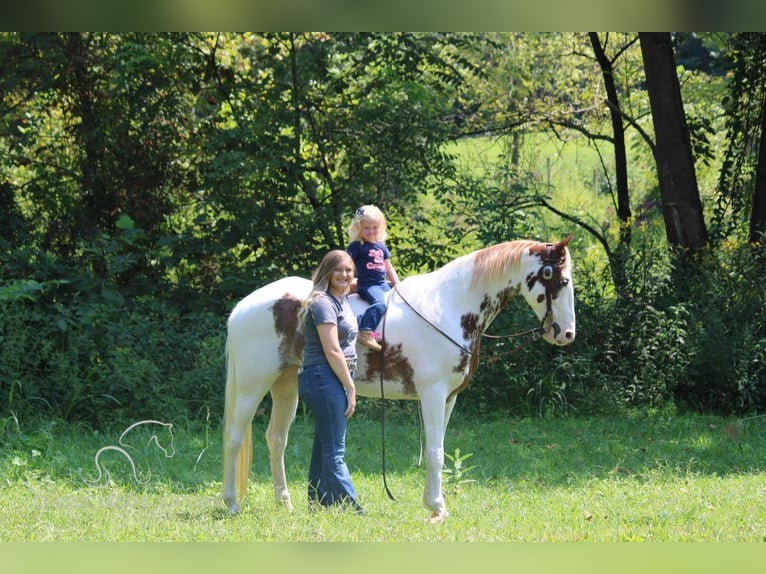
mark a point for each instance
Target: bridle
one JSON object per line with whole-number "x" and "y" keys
{"x": 551, "y": 269}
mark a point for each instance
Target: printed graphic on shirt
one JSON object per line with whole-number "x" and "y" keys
{"x": 376, "y": 260}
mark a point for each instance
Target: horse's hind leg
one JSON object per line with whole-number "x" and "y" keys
{"x": 237, "y": 453}
{"x": 284, "y": 394}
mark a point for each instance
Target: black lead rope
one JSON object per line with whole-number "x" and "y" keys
{"x": 383, "y": 406}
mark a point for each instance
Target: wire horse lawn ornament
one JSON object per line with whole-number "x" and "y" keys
{"x": 431, "y": 342}
{"x": 122, "y": 447}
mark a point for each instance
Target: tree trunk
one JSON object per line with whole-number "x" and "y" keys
{"x": 681, "y": 205}
{"x": 620, "y": 255}
{"x": 758, "y": 214}
{"x": 618, "y": 131}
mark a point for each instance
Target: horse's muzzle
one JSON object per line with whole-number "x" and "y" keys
{"x": 557, "y": 336}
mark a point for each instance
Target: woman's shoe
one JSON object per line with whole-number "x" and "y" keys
{"x": 367, "y": 339}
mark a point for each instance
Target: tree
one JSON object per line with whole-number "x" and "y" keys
{"x": 96, "y": 128}
{"x": 618, "y": 131}
{"x": 607, "y": 64}
{"x": 758, "y": 212}
{"x": 742, "y": 183}
{"x": 314, "y": 124}
{"x": 238, "y": 157}
{"x": 681, "y": 204}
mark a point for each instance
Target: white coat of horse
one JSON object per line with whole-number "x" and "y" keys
{"x": 432, "y": 332}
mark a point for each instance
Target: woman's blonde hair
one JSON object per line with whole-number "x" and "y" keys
{"x": 367, "y": 213}
{"x": 321, "y": 278}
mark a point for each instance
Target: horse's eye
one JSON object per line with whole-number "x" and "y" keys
{"x": 547, "y": 272}
{"x": 564, "y": 282}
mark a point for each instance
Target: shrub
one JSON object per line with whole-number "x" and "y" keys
{"x": 109, "y": 365}
{"x": 727, "y": 373}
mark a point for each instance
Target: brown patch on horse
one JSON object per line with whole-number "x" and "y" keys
{"x": 472, "y": 362}
{"x": 491, "y": 306}
{"x": 555, "y": 256}
{"x": 285, "y": 313}
{"x": 471, "y": 330}
{"x": 470, "y": 324}
{"x": 397, "y": 368}
{"x": 504, "y": 296}
{"x": 474, "y": 326}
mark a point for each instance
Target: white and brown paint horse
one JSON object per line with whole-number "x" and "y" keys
{"x": 431, "y": 337}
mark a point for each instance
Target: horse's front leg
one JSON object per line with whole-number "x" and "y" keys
{"x": 433, "y": 403}
{"x": 284, "y": 394}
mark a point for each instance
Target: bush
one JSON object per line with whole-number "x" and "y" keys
{"x": 693, "y": 338}
{"x": 727, "y": 373}
{"x": 107, "y": 364}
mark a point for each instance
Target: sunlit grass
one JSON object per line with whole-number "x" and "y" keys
{"x": 571, "y": 172}
{"x": 652, "y": 478}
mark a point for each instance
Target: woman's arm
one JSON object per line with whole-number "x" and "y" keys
{"x": 328, "y": 335}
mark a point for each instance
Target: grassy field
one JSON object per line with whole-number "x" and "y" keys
{"x": 571, "y": 172}
{"x": 661, "y": 477}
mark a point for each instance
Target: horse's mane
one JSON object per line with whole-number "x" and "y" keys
{"x": 491, "y": 263}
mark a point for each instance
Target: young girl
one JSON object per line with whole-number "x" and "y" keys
{"x": 372, "y": 259}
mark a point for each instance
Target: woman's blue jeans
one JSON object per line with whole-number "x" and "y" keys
{"x": 329, "y": 479}
{"x": 375, "y": 295}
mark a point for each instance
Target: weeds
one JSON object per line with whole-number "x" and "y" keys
{"x": 456, "y": 476}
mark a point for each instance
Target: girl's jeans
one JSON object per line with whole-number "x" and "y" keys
{"x": 329, "y": 479}
{"x": 375, "y": 295}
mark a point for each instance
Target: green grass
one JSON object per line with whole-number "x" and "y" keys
{"x": 571, "y": 171}
{"x": 661, "y": 477}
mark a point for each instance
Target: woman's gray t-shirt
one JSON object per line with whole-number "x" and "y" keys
{"x": 327, "y": 309}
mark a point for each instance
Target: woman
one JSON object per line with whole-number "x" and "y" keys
{"x": 326, "y": 380}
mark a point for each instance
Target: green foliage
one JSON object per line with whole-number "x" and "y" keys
{"x": 744, "y": 108}
{"x": 728, "y": 332}
{"x": 149, "y": 181}
{"x": 120, "y": 366}
{"x": 103, "y": 358}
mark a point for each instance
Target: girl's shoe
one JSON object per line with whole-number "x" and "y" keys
{"x": 367, "y": 339}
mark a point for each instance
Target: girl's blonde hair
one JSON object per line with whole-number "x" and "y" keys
{"x": 321, "y": 278}
{"x": 367, "y": 213}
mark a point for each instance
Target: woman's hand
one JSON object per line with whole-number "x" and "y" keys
{"x": 350, "y": 402}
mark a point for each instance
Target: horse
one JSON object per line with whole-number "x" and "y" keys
{"x": 430, "y": 337}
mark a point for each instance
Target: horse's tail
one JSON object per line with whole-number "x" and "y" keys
{"x": 245, "y": 455}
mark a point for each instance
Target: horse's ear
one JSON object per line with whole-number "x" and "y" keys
{"x": 564, "y": 242}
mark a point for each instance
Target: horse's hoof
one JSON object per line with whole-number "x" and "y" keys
{"x": 233, "y": 508}
{"x": 436, "y": 518}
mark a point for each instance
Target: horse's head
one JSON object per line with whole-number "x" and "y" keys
{"x": 549, "y": 290}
